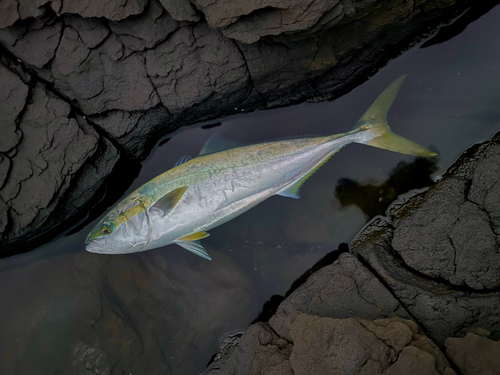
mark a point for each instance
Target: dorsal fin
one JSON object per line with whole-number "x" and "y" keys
{"x": 167, "y": 203}
{"x": 182, "y": 160}
{"x": 378, "y": 110}
{"x": 217, "y": 143}
{"x": 294, "y": 190}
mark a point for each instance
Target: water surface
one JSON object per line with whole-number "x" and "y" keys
{"x": 164, "y": 311}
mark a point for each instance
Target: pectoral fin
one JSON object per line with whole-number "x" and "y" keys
{"x": 195, "y": 247}
{"x": 167, "y": 203}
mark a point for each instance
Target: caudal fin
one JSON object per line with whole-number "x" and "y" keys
{"x": 379, "y": 134}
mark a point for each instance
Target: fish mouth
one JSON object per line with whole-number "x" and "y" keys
{"x": 94, "y": 247}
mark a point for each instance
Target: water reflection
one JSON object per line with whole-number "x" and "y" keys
{"x": 164, "y": 311}
{"x": 374, "y": 199}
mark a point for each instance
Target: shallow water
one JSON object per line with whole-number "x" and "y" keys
{"x": 61, "y": 302}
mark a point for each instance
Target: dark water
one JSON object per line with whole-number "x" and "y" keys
{"x": 164, "y": 311}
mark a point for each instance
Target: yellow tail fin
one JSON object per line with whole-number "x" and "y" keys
{"x": 375, "y": 122}
{"x": 390, "y": 141}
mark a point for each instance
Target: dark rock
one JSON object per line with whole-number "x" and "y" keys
{"x": 58, "y": 151}
{"x": 8, "y": 13}
{"x": 321, "y": 345}
{"x": 193, "y": 65}
{"x": 23, "y": 9}
{"x": 253, "y": 20}
{"x": 35, "y": 45}
{"x": 453, "y": 234}
{"x": 153, "y": 26}
{"x": 475, "y": 354}
{"x": 12, "y": 101}
{"x": 341, "y": 290}
{"x": 91, "y": 31}
{"x": 95, "y": 8}
{"x": 137, "y": 132}
{"x": 180, "y": 10}
{"x": 96, "y": 81}
{"x": 439, "y": 251}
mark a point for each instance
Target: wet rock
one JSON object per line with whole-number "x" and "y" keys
{"x": 56, "y": 150}
{"x": 96, "y": 81}
{"x": 439, "y": 251}
{"x": 341, "y": 290}
{"x": 111, "y": 10}
{"x": 13, "y": 10}
{"x": 321, "y": 345}
{"x": 329, "y": 298}
{"x": 475, "y": 353}
{"x": 180, "y": 10}
{"x": 91, "y": 31}
{"x": 153, "y": 26}
{"x": 35, "y": 44}
{"x": 12, "y": 100}
{"x": 253, "y": 20}
{"x": 193, "y": 65}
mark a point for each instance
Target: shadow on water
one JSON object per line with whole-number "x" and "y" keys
{"x": 446, "y": 33}
{"x": 374, "y": 199}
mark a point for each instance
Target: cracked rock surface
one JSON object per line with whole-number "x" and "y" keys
{"x": 439, "y": 251}
{"x": 321, "y": 345}
{"x": 125, "y": 73}
{"x": 46, "y": 145}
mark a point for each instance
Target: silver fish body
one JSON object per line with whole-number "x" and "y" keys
{"x": 212, "y": 189}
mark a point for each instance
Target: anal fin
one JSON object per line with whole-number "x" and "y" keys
{"x": 293, "y": 190}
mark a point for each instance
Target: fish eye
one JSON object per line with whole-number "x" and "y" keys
{"x": 106, "y": 230}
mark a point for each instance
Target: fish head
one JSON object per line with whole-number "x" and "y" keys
{"x": 125, "y": 229}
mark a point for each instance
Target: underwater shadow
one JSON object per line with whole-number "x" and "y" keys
{"x": 476, "y": 11}
{"x": 374, "y": 199}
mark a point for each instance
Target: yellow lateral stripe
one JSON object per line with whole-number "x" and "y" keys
{"x": 132, "y": 212}
{"x": 195, "y": 236}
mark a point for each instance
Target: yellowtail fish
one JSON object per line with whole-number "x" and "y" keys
{"x": 227, "y": 179}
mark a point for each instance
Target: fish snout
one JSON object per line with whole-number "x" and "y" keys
{"x": 94, "y": 247}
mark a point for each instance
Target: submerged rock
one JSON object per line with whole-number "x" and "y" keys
{"x": 88, "y": 313}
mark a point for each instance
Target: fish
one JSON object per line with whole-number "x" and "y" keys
{"x": 226, "y": 179}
